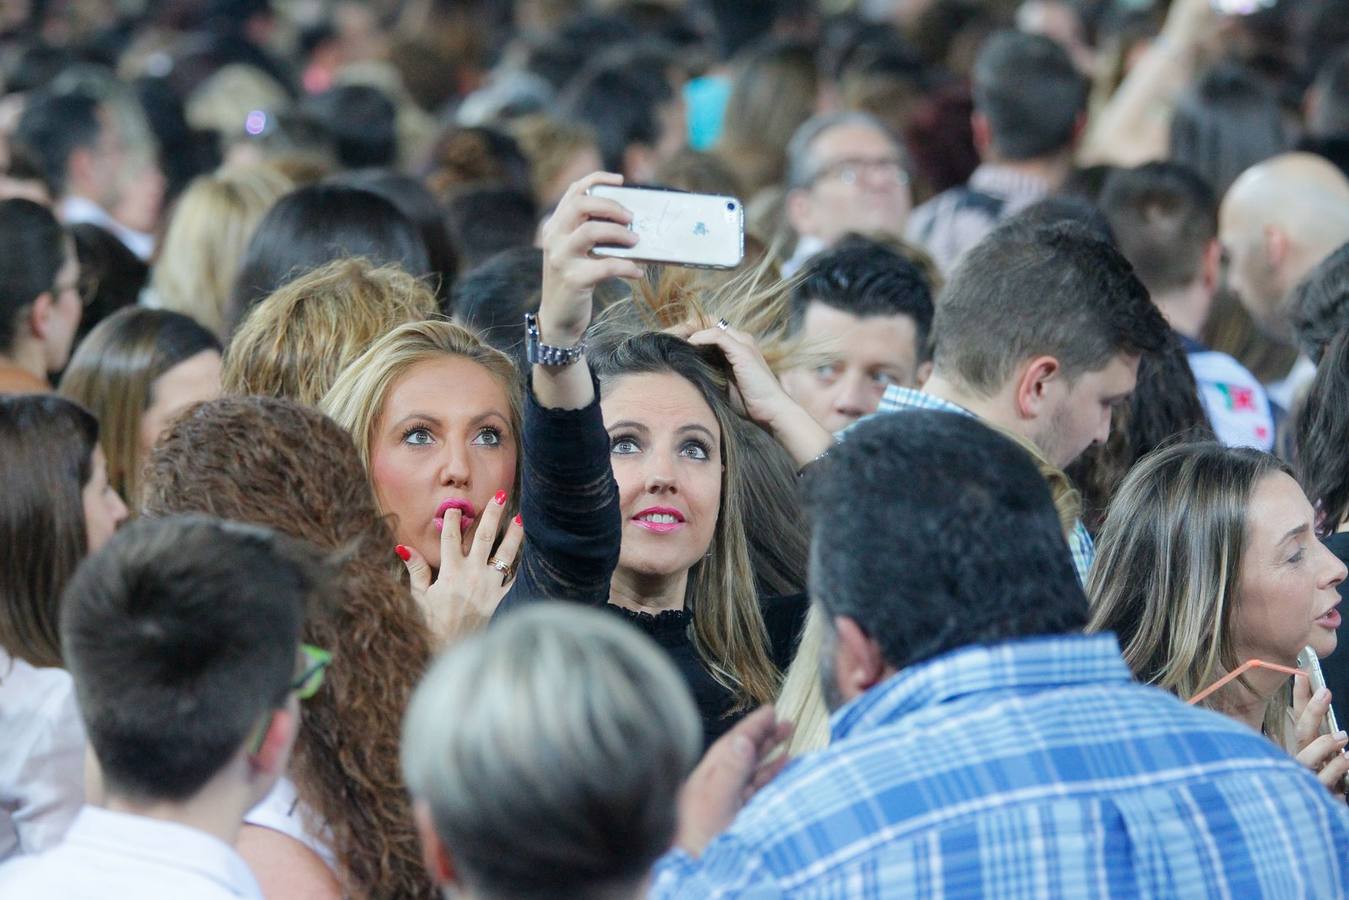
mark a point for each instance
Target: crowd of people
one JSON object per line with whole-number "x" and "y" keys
{"x": 371, "y": 530}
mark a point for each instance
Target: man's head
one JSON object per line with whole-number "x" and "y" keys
{"x": 845, "y": 173}
{"x": 637, "y": 117}
{"x": 1039, "y": 330}
{"x": 1328, "y": 98}
{"x": 870, "y": 310}
{"x": 183, "y": 638}
{"x": 79, "y": 144}
{"x": 1165, "y": 219}
{"x": 545, "y": 756}
{"x": 933, "y": 532}
{"x": 1279, "y": 219}
{"x": 40, "y": 307}
{"x": 1029, "y": 99}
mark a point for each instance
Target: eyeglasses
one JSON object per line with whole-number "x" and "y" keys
{"x": 852, "y": 171}
{"x": 304, "y": 686}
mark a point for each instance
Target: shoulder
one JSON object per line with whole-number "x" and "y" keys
{"x": 37, "y": 705}
{"x": 283, "y": 812}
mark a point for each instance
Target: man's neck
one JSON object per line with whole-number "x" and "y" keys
{"x": 990, "y": 409}
{"x": 216, "y": 809}
{"x": 1184, "y": 310}
{"x": 27, "y": 355}
{"x": 641, "y": 592}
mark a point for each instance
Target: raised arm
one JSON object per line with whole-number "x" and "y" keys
{"x": 569, "y": 500}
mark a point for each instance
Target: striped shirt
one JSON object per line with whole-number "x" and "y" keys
{"x": 1034, "y": 768}
{"x": 900, "y": 399}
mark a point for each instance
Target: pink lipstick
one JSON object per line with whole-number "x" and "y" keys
{"x": 659, "y": 519}
{"x": 465, "y": 507}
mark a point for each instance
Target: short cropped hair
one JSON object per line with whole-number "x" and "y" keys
{"x": 1164, "y": 216}
{"x": 52, "y": 127}
{"x": 551, "y": 749}
{"x": 32, "y": 251}
{"x": 904, "y": 508}
{"x": 865, "y": 278}
{"x": 801, "y": 165}
{"x": 181, "y": 634}
{"x": 1030, "y": 92}
{"x": 1055, "y": 291}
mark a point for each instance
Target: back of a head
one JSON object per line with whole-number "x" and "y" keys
{"x": 363, "y": 123}
{"x": 52, "y": 127}
{"x": 32, "y": 251}
{"x": 487, "y": 219}
{"x": 493, "y": 297}
{"x": 1061, "y": 209}
{"x": 46, "y": 457}
{"x": 318, "y": 224}
{"x": 539, "y": 789}
{"x": 113, "y": 372}
{"x": 181, "y": 635}
{"x": 865, "y": 278}
{"x": 919, "y": 497}
{"x": 212, "y": 224}
{"x": 1030, "y": 92}
{"x": 1321, "y": 321}
{"x": 621, "y": 104}
{"x": 1054, "y": 291}
{"x": 1168, "y": 562}
{"x": 111, "y": 275}
{"x": 1320, "y": 304}
{"x": 294, "y": 342}
{"x": 1164, "y": 216}
{"x": 1226, "y": 123}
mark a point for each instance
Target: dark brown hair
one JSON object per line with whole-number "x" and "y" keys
{"x": 1321, "y": 319}
{"x": 46, "y": 457}
{"x": 276, "y": 463}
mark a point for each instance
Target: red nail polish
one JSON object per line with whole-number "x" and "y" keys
{"x": 501, "y": 498}
{"x": 519, "y": 520}
{"x": 403, "y": 552}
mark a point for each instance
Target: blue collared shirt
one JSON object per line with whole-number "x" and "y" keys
{"x": 1033, "y": 768}
{"x": 899, "y": 399}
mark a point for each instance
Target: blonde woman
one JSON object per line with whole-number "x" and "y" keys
{"x": 1209, "y": 558}
{"x": 136, "y": 371}
{"x": 294, "y": 343}
{"x": 204, "y": 244}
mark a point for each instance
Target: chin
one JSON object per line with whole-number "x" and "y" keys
{"x": 1324, "y": 643}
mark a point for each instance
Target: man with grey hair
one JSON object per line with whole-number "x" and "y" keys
{"x": 545, "y": 757}
{"x": 845, "y": 173}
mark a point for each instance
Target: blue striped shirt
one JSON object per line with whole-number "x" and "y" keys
{"x": 1033, "y": 768}
{"x": 899, "y": 399}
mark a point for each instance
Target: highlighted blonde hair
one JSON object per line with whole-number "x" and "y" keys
{"x": 357, "y": 397}
{"x": 206, "y": 238}
{"x": 294, "y": 343}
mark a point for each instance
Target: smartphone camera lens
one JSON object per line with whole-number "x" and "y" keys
{"x": 731, "y": 206}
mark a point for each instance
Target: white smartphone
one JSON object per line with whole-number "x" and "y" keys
{"x": 702, "y": 231}
{"x": 1308, "y": 662}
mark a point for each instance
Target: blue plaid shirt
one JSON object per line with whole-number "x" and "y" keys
{"x": 900, "y": 399}
{"x": 1033, "y": 768}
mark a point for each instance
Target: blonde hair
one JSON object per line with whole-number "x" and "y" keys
{"x": 801, "y": 700}
{"x": 357, "y": 396}
{"x": 222, "y": 102}
{"x": 206, "y": 238}
{"x": 551, "y": 145}
{"x": 294, "y": 342}
{"x": 1168, "y": 566}
{"x": 113, "y": 373}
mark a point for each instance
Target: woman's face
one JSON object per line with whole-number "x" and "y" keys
{"x": 665, "y": 446}
{"x": 194, "y": 380}
{"x": 103, "y": 509}
{"x": 1286, "y": 588}
{"x": 442, "y": 439}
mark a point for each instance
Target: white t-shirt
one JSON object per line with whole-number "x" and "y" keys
{"x": 1236, "y": 403}
{"x": 41, "y": 757}
{"x": 282, "y": 810}
{"x": 110, "y": 855}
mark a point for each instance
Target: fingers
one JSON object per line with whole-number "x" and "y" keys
{"x": 1313, "y": 714}
{"x": 1332, "y": 773}
{"x": 419, "y": 571}
{"x": 486, "y": 535}
{"x": 1316, "y": 754}
{"x": 451, "y": 533}
{"x": 587, "y": 237}
{"x": 510, "y": 543}
{"x": 1302, "y": 693}
{"x": 582, "y": 185}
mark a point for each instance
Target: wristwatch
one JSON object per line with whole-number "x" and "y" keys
{"x": 541, "y": 354}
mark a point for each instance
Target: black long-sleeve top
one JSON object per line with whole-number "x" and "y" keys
{"x": 573, "y": 532}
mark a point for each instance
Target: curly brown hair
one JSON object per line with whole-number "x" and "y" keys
{"x": 274, "y": 462}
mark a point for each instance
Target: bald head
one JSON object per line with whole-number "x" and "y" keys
{"x": 1279, "y": 219}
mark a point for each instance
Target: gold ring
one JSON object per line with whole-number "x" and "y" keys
{"x": 503, "y": 568}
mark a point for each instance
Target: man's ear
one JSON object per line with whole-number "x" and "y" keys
{"x": 1211, "y": 267}
{"x": 639, "y": 163}
{"x": 798, "y": 210}
{"x": 1038, "y": 381}
{"x": 439, "y": 864}
{"x": 1277, "y": 246}
{"x": 39, "y": 315}
{"x": 858, "y": 663}
{"x": 922, "y": 373}
{"x": 983, "y": 134}
{"x": 274, "y": 750}
{"x": 80, "y": 166}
